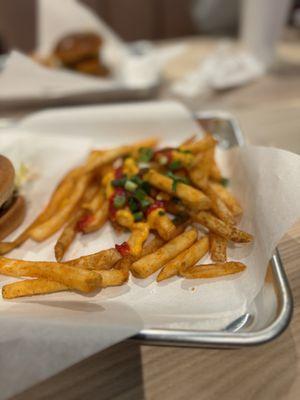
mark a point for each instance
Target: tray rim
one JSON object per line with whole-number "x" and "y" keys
{"x": 222, "y": 339}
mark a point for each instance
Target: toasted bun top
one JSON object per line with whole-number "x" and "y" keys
{"x": 7, "y": 177}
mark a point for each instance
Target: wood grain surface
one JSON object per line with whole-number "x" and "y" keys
{"x": 267, "y": 110}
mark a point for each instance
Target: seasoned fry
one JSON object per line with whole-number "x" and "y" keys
{"x": 113, "y": 277}
{"x": 213, "y": 270}
{"x": 61, "y": 192}
{"x": 189, "y": 195}
{"x": 54, "y": 223}
{"x": 147, "y": 265}
{"x": 218, "y": 248}
{"x": 201, "y": 145}
{"x": 220, "y": 228}
{"x": 139, "y": 234}
{"x": 184, "y": 260}
{"x": 227, "y": 198}
{"x": 67, "y": 236}
{"x": 162, "y": 223}
{"x": 218, "y": 207}
{"x": 31, "y": 287}
{"x": 98, "y": 219}
{"x": 108, "y": 156}
{"x": 104, "y": 259}
{"x": 199, "y": 174}
{"x": 215, "y": 173}
{"x": 73, "y": 278}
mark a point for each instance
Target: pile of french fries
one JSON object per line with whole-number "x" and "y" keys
{"x": 176, "y": 195}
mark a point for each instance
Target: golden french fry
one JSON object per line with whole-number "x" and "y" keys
{"x": 213, "y": 270}
{"x": 215, "y": 173}
{"x": 189, "y": 195}
{"x": 73, "y": 278}
{"x": 138, "y": 236}
{"x": 147, "y": 265}
{"x": 184, "y": 260}
{"x": 201, "y": 145}
{"x": 104, "y": 259}
{"x": 188, "y": 141}
{"x": 113, "y": 277}
{"x": 31, "y": 287}
{"x": 94, "y": 204}
{"x": 54, "y": 223}
{"x": 240, "y": 236}
{"x": 98, "y": 219}
{"x": 199, "y": 173}
{"x": 222, "y": 229}
{"x": 61, "y": 192}
{"x": 218, "y": 207}
{"x": 159, "y": 221}
{"x": 104, "y": 157}
{"x": 227, "y": 198}
{"x": 218, "y": 248}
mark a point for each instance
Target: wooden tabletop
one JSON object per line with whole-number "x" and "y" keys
{"x": 269, "y": 112}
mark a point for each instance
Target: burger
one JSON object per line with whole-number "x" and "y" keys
{"x": 12, "y": 205}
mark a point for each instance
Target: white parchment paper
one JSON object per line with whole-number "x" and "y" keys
{"x": 54, "y": 331}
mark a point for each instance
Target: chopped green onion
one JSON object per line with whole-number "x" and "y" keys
{"x": 146, "y": 187}
{"x": 133, "y": 204}
{"x": 140, "y": 194}
{"x": 161, "y": 213}
{"x": 119, "y": 200}
{"x": 184, "y": 151}
{"x": 177, "y": 179}
{"x": 163, "y": 160}
{"x": 145, "y": 154}
{"x": 130, "y": 186}
{"x": 176, "y": 164}
{"x": 119, "y": 182}
{"x": 145, "y": 203}
{"x": 224, "y": 182}
{"x": 136, "y": 179}
{"x": 138, "y": 216}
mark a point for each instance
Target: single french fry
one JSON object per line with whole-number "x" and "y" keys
{"x": 147, "y": 265}
{"x": 184, "y": 260}
{"x": 213, "y": 270}
{"x": 199, "y": 173}
{"x": 113, "y": 277}
{"x": 220, "y": 228}
{"x": 60, "y": 193}
{"x": 54, "y": 223}
{"x": 104, "y": 157}
{"x": 161, "y": 222}
{"x": 218, "y": 248}
{"x": 189, "y": 195}
{"x": 31, "y": 287}
{"x": 104, "y": 259}
{"x": 228, "y": 198}
{"x": 201, "y": 145}
{"x": 74, "y": 278}
{"x": 98, "y": 219}
{"x": 218, "y": 207}
{"x": 94, "y": 204}
{"x": 215, "y": 172}
{"x": 188, "y": 141}
{"x": 139, "y": 234}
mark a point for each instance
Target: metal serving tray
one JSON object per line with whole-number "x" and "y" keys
{"x": 272, "y": 309}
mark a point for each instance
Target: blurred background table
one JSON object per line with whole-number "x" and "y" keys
{"x": 269, "y": 113}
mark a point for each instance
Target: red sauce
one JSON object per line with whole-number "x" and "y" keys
{"x": 123, "y": 249}
{"x": 84, "y": 221}
{"x": 157, "y": 204}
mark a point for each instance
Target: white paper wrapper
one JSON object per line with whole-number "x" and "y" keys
{"x": 63, "y": 328}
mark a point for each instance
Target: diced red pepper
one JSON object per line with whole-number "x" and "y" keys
{"x": 84, "y": 221}
{"x": 157, "y": 204}
{"x": 123, "y": 249}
